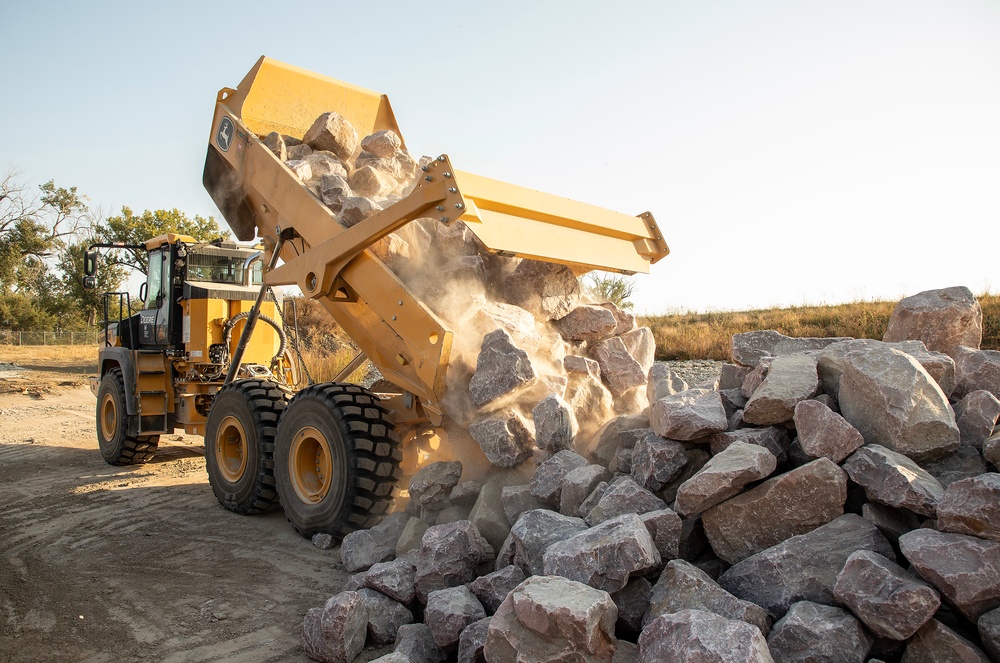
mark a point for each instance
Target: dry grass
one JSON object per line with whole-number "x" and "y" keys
{"x": 707, "y": 335}
{"x": 324, "y": 366}
{"x": 54, "y": 356}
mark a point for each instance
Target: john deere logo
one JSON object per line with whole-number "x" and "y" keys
{"x": 225, "y": 136}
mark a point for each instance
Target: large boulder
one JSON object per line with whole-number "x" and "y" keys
{"x": 942, "y": 319}
{"x": 449, "y": 611}
{"x": 698, "y": 635}
{"x": 656, "y": 461}
{"x": 587, "y": 323}
{"x": 724, "y": 476}
{"x": 431, "y": 486}
{"x": 790, "y": 380}
{"x": 815, "y": 632}
{"x": 502, "y": 370}
{"x": 547, "y": 290}
{"x": 823, "y": 433}
{"x": 935, "y": 643}
{"x": 977, "y": 414}
{"x": 505, "y": 438}
{"x": 555, "y": 424}
{"x": 619, "y": 369}
{"x": 773, "y": 438}
{"x": 975, "y": 370}
{"x": 972, "y": 506}
{"x": 689, "y": 415}
{"x": 449, "y": 555}
{"x": 336, "y": 632}
{"x": 750, "y": 347}
{"x": 334, "y": 133}
{"x": 893, "y": 479}
{"x": 623, "y": 495}
{"x": 538, "y": 529}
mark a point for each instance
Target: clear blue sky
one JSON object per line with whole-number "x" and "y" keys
{"x": 794, "y": 152}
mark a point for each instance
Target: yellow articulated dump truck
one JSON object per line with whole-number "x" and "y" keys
{"x": 195, "y": 357}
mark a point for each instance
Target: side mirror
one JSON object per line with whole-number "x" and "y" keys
{"x": 89, "y": 282}
{"x": 90, "y": 264}
{"x": 142, "y": 292}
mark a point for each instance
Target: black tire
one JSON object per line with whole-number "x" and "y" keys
{"x": 239, "y": 444}
{"x": 336, "y": 460}
{"x": 117, "y": 446}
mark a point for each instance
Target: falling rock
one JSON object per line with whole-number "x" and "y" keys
{"x": 536, "y": 530}
{"x": 965, "y": 569}
{"x": 622, "y": 496}
{"x": 892, "y": 479}
{"x": 814, "y": 632}
{"x": 656, "y": 461}
{"x": 935, "y": 643}
{"x": 382, "y": 143}
{"x": 633, "y": 602}
{"x": 385, "y": 616}
{"x": 641, "y": 345}
{"x": 584, "y": 365}
{"x": 555, "y": 424}
{"x": 942, "y": 319}
{"x": 548, "y": 618}
{"x": 663, "y": 382}
{"x": 449, "y": 555}
{"x": 790, "y": 380}
{"x": 431, "y": 486}
{"x": 502, "y": 369}
{"x": 332, "y": 132}
{"x": 804, "y": 567}
{"x": 724, "y": 476}
{"x": 336, "y": 633}
{"x": 577, "y": 485}
{"x": 773, "y": 438}
{"x": 394, "y": 579}
{"x": 547, "y": 290}
{"x": 472, "y": 642}
{"x": 976, "y": 415}
{"x": 416, "y": 643}
{"x": 683, "y": 586}
{"x": 519, "y": 324}
{"x": 619, "y": 369}
{"x": 972, "y": 506}
{"x": 547, "y": 482}
{"x": 449, "y": 611}
{"x": 750, "y": 347}
{"x": 666, "y": 528}
{"x": 371, "y": 183}
{"x": 356, "y": 209}
{"x": 587, "y": 323}
{"x": 689, "y": 415}
{"x": 606, "y": 555}
{"x": 789, "y": 504}
{"x": 301, "y": 168}
{"x": 274, "y": 142}
{"x": 504, "y": 438}
{"x": 625, "y": 320}
{"x": 591, "y": 401}
{"x": 891, "y": 602}
{"x": 894, "y": 403}
{"x": 823, "y": 433}
{"x": 492, "y": 588}
{"x": 699, "y": 635}
{"x": 977, "y": 370}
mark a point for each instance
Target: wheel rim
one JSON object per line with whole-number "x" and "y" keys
{"x": 109, "y": 417}
{"x": 231, "y": 449}
{"x": 311, "y": 465}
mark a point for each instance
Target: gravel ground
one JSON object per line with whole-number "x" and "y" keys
{"x": 697, "y": 371}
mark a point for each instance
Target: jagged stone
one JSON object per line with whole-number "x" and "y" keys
{"x": 449, "y": 555}
{"x": 577, "y": 485}
{"x": 893, "y": 402}
{"x": 619, "y": 431}
{"x": 666, "y": 528}
{"x": 555, "y": 424}
{"x": 552, "y": 619}
{"x": 935, "y": 643}
{"x": 333, "y": 191}
{"x": 584, "y": 365}
{"x": 505, "y": 438}
{"x": 502, "y": 370}
{"x": 790, "y": 380}
{"x": 416, "y": 643}
{"x": 623, "y": 496}
{"x": 371, "y": 183}
{"x": 547, "y": 482}
{"x": 301, "y": 168}
{"x": 297, "y": 151}
{"x": 547, "y": 290}
{"x": 604, "y": 556}
{"x": 449, "y": 611}
{"x": 410, "y": 538}
{"x": 465, "y": 492}
{"x": 472, "y": 642}
{"x": 965, "y": 569}
{"x": 632, "y": 601}
{"x": 892, "y": 479}
{"x": 724, "y": 476}
{"x": 641, "y": 345}
{"x": 699, "y": 635}
{"x": 965, "y": 463}
{"x": 625, "y": 320}
{"x": 587, "y": 323}
{"x": 773, "y": 438}
{"x": 989, "y": 632}
{"x": 492, "y": 588}
{"x": 804, "y": 567}
{"x": 976, "y": 415}
{"x": 813, "y": 632}
{"x": 332, "y": 132}
{"x": 823, "y": 433}
{"x": 663, "y": 382}
{"x": 688, "y": 415}
{"x": 971, "y": 506}
{"x": 733, "y": 400}
{"x": 731, "y": 376}
{"x": 943, "y": 319}
{"x": 274, "y": 142}
{"x": 363, "y": 548}
{"x": 325, "y": 163}
{"x": 656, "y": 461}
{"x": 382, "y": 143}
{"x": 518, "y": 499}
{"x": 431, "y": 486}
{"x": 336, "y": 632}
{"x": 487, "y": 317}
{"x": 756, "y": 377}
{"x": 591, "y": 401}
{"x": 488, "y": 514}
{"x": 323, "y": 541}
{"x": 623, "y": 461}
{"x": 976, "y": 370}
{"x": 893, "y": 523}
{"x": 696, "y": 459}
{"x": 355, "y": 209}
{"x": 786, "y": 505}
{"x": 538, "y": 529}
{"x": 593, "y": 499}
{"x": 385, "y": 616}
{"x": 394, "y": 579}
{"x": 750, "y": 347}
{"x": 619, "y": 370}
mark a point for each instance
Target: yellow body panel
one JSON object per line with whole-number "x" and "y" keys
{"x": 205, "y": 318}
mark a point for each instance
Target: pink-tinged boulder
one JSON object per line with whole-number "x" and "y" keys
{"x": 385, "y": 616}
{"x": 431, "y": 486}
{"x": 587, "y": 323}
{"x": 394, "y": 579}
{"x": 787, "y": 505}
{"x": 773, "y": 438}
{"x": 936, "y": 643}
{"x": 976, "y": 415}
{"x": 492, "y": 588}
{"x": 546, "y": 484}
{"x": 892, "y": 400}
{"x": 975, "y": 370}
{"x": 724, "y": 476}
{"x": 691, "y": 636}
{"x": 825, "y": 434}
{"x": 755, "y": 377}
{"x": 811, "y": 632}
{"x": 449, "y": 611}
{"x": 416, "y": 643}
{"x": 830, "y": 364}
{"x": 448, "y": 557}
{"x": 641, "y": 346}
{"x": 355, "y": 209}
{"x": 892, "y": 603}
{"x": 336, "y": 633}
{"x": 619, "y": 369}
{"x": 623, "y": 495}
{"x": 332, "y": 132}
{"x": 989, "y": 632}
{"x": 538, "y": 529}
{"x": 472, "y": 642}
{"x": 663, "y": 382}
{"x": 942, "y": 319}
{"x": 972, "y": 506}
{"x": 750, "y": 347}
{"x": 555, "y": 424}
{"x": 577, "y": 485}
{"x": 656, "y": 461}
{"x": 965, "y": 569}
{"x": 689, "y": 415}
{"x": 502, "y": 370}
{"x": 547, "y": 290}
{"x": 274, "y": 142}
{"x": 506, "y": 439}
{"x": 548, "y": 618}
{"x": 666, "y": 528}
{"x": 893, "y": 479}
{"x": 790, "y": 380}
{"x": 382, "y": 143}
{"x": 371, "y": 183}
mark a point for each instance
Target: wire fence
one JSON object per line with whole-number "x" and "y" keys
{"x": 85, "y": 337}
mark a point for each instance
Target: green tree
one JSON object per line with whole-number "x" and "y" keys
{"x": 131, "y": 228}
{"x": 615, "y": 288}
{"x": 75, "y": 304}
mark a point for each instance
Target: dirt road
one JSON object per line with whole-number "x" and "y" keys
{"x": 102, "y": 563}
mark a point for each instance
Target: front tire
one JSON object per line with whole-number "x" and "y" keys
{"x": 239, "y": 444}
{"x": 117, "y": 446}
{"x": 336, "y": 460}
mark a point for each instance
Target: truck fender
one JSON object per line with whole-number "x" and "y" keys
{"x": 122, "y": 358}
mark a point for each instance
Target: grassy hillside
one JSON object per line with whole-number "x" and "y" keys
{"x": 707, "y": 335}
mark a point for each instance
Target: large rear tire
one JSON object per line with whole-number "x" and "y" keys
{"x": 117, "y": 446}
{"x": 336, "y": 460}
{"x": 239, "y": 444}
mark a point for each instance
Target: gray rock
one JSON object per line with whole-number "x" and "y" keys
{"x": 382, "y": 143}
{"x": 431, "y": 486}
{"x": 577, "y": 485}
{"x": 971, "y": 506}
{"x": 626, "y": 321}
{"x": 683, "y": 586}
{"x": 274, "y": 142}
{"x": 976, "y": 415}
{"x": 502, "y": 370}
{"x": 555, "y": 424}
{"x": 633, "y": 601}
{"x": 989, "y": 632}
{"x": 362, "y": 548}
{"x": 642, "y": 347}
{"x": 355, "y": 582}
{"x": 724, "y": 476}
{"x": 488, "y": 514}
{"x": 825, "y": 434}
{"x": 756, "y": 377}
{"x": 323, "y": 541}
{"x": 336, "y": 633}
{"x": 830, "y": 364}
{"x": 355, "y": 209}
{"x": 893, "y": 523}
{"x": 472, "y": 642}
{"x": 334, "y": 133}
{"x": 326, "y": 163}
{"x": 410, "y": 538}
{"x": 547, "y": 483}
{"x": 666, "y": 528}
{"x": 394, "y": 579}
{"x": 750, "y": 347}
{"x": 606, "y": 555}
{"x": 891, "y": 602}
{"x": 385, "y": 616}
{"x": 449, "y": 611}
{"x": 942, "y": 319}
{"x": 547, "y": 290}
{"x": 623, "y": 496}
{"x": 773, "y": 438}
{"x": 698, "y": 635}
{"x": 966, "y": 463}
{"x": 803, "y": 568}
{"x": 976, "y": 370}
{"x": 697, "y": 458}
{"x": 587, "y": 323}
{"x": 492, "y": 588}
{"x": 553, "y": 619}
{"x": 731, "y": 376}
{"x": 536, "y": 530}
{"x": 784, "y": 506}
{"x": 593, "y": 499}
{"x": 416, "y": 643}
{"x": 935, "y": 643}
{"x": 892, "y": 400}
{"x": 819, "y": 633}
{"x": 620, "y": 371}
{"x": 892, "y": 479}
{"x": 689, "y": 415}
{"x": 991, "y": 450}
{"x": 449, "y": 555}
{"x": 623, "y": 461}
{"x": 656, "y": 461}
{"x": 965, "y": 569}
{"x": 582, "y": 365}
{"x": 465, "y": 493}
{"x": 615, "y": 433}
{"x": 518, "y": 499}
{"x": 663, "y": 382}
{"x": 392, "y": 657}
{"x": 505, "y": 438}
{"x": 733, "y": 401}
{"x": 790, "y": 380}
